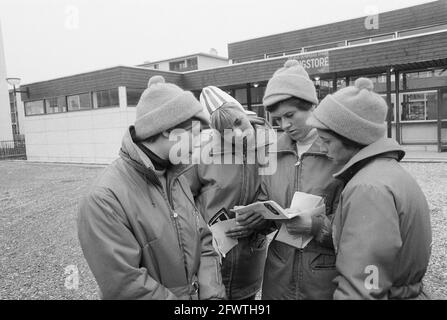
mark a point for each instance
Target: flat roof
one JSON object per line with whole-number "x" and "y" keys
{"x": 187, "y": 56}
{"x": 96, "y": 71}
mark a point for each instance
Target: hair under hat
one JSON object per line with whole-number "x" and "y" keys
{"x": 163, "y": 106}
{"x": 355, "y": 112}
{"x": 290, "y": 81}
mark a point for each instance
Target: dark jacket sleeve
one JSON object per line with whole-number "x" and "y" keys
{"x": 112, "y": 252}
{"x": 368, "y": 243}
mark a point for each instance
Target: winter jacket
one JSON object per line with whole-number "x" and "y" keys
{"x": 217, "y": 186}
{"x": 292, "y": 273}
{"x": 382, "y": 231}
{"x": 143, "y": 240}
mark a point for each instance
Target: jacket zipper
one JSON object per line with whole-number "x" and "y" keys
{"x": 174, "y": 215}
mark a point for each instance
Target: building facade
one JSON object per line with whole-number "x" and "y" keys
{"x": 5, "y": 109}
{"x": 82, "y": 118}
{"x": 199, "y": 61}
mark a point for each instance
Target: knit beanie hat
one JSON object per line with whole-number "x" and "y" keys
{"x": 212, "y": 98}
{"x": 355, "y": 112}
{"x": 290, "y": 81}
{"x": 163, "y": 106}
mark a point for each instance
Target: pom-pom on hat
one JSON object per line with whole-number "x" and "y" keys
{"x": 163, "y": 106}
{"x": 355, "y": 112}
{"x": 290, "y": 81}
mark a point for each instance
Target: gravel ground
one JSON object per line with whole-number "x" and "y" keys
{"x": 38, "y": 241}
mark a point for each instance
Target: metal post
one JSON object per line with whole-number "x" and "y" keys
{"x": 249, "y": 96}
{"x": 16, "y": 115}
{"x": 396, "y": 85}
{"x": 388, "y": 102}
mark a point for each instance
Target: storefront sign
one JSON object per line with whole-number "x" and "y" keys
{"x": 314, "y": 62}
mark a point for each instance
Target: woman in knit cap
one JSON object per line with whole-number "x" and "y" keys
{"x": 140, "y": 232}
{"x": 297, "y": 271}
{"x": 223, "y": 186}
{"x": 381, "y": 229}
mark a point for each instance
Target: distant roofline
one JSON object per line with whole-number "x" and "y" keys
{"x": 187, "y": 56}
{"x": 98, "y": 70}
{"x": 327, "y": 24}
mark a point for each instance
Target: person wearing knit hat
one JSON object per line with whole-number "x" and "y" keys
{"x": 219, "y": 186}
{"x": 164, "y": 106}
{"x": 381, "y": 230}
{"x": 139, "y": 230}
{"x": 290, "y": 97}
{"x": 213, "y": 98}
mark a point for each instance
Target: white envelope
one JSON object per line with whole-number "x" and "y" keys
{"x": 220, "y": 240}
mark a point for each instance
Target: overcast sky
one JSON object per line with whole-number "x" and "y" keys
{"x": 45, "y": 39}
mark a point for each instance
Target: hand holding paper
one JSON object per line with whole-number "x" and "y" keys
{"x": 296, "y": 232}
{"x": 249, "y": 219}
{"x": 239, "y": 232}
{"x": 301, "y": 224}
{"x": 223, "y": 243}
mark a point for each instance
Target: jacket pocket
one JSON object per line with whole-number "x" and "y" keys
{"x": 323, "y": 261}
{"x": 259, "y": 242}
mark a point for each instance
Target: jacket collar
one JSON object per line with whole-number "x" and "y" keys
{"x": 383, "y": 148}
{"x": 132, "y": 154}
{"x": 287, "y": 145}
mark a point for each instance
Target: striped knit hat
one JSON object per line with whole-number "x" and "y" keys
{"x": 212, "y": 98}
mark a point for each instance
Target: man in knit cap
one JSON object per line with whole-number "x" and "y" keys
{"x": 295, "y": 271}
{"x": 381, "y": 229}
{"x": 140, "y": 232}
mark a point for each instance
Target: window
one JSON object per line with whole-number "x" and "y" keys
{"x": 419, "y": 106}
{"x": 177, "y": 65}
{"x": 133, "y": 96}
{"x": 383, "y": 37}
{"x": 273, "y": 55}
{"x": 296, "y": 51}
{"x": 191, "y": 64}
{"x": 325, "y": 46}
{"x": 156, "y": 66}
{"x": 359, "y": 41}
{"x": 422, "y": 30}
{"x": 34, "y": 107}
{"x": 424, "y": 79}
{"x": 79, "y": 102}
{"x": 55, "y": 105}
{"x": 105, "y": 98}
{"x": 241, "y": 95}
{"x": 341, "y": 83}
{"x": 257, "y": 94}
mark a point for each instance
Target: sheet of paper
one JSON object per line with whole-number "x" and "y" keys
{"x": 223, "y": 243}
{"x": 297, "y": 241}
{"x": 305, "y": 202}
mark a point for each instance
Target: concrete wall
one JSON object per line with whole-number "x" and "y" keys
{"x": 92, "y": 136}
{"x": 209, "y": 63}
{"x": 5, "y": 109}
